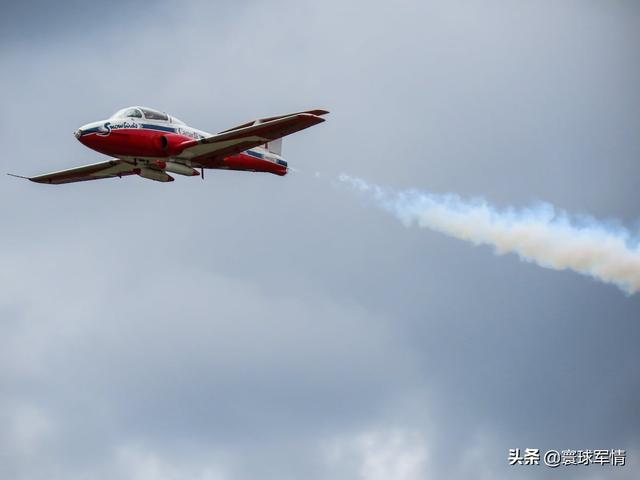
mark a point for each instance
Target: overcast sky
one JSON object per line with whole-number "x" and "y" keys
{"x": 258, "y": 327}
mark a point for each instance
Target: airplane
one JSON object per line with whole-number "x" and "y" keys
{"x": 152, "y": 144}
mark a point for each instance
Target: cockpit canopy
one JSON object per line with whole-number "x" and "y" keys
{"x": 146, "y": 113}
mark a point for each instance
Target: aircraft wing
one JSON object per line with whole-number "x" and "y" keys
{"x": 249, "y": 135}
{"x": 96, "y": 171}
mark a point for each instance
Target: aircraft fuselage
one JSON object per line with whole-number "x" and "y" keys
{"x": 147, "y": 140}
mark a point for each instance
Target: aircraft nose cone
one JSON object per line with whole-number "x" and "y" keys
{"x": 78, "y": 133}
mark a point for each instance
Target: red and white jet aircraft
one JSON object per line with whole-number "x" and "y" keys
{"x": 150, "y": 143}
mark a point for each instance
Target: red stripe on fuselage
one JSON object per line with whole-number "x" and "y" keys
{"x": 135, "y": 142}
{"x": 242, "y": 161}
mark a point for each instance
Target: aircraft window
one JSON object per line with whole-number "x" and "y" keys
{"x": 154, "y": 115}
{"x": 132, "y": 112}
{"x": 127, "y": 112}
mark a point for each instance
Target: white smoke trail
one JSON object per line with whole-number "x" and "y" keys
{"x": 542, "y": 235}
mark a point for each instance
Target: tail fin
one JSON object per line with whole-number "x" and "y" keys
{"x": 275, "y": 146}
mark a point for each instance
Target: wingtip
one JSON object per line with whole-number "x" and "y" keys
{"x": 317, "y": 112}
{"x": 19, "y": 176}
{"x": 312, "y": 117}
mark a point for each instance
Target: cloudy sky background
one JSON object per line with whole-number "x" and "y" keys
{"x": 252, "y": 326}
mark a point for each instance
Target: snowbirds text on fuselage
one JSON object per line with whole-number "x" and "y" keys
{"x": 152, "y": 144}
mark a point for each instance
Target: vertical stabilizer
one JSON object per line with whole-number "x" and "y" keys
{"x": 275, "y": 146}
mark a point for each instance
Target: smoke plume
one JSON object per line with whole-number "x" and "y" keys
{"x": 542, "y": 234}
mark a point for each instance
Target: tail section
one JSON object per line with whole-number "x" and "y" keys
{"x": 274, "y": 146}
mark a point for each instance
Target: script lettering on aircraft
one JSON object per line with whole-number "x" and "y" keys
{"x": 105, "y": 130}
{"x": 188, "y": 133}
